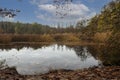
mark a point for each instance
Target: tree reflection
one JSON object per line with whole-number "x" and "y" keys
{"x": 81, "y": 52}
{"x": 108, "y": 55}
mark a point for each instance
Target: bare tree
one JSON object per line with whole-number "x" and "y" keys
{"x": 8, "y": 12}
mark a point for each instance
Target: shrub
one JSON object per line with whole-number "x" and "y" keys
{"x": 65, "y": 38}
{"x": 101, "y": 37}
{"x": 5, "y": 39}
{"x": 46, "y": 38}
{"x": 20, "y": 38}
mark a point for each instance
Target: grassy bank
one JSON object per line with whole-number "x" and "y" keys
{"x": 9, "y": 38}
{"x": 66, "y": 38}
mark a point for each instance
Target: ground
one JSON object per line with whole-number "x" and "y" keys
{"x": 95, "y": 73}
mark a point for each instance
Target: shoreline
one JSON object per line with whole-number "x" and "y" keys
{"x": 95, "y": 73}
{"x": 81, "y": 43}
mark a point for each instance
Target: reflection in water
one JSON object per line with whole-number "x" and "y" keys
{"x": 82, "y": 52}
{"x": 28, "y": 61}
{"x": 108, "y": 55}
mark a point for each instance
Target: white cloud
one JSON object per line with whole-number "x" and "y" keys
{"x": 77, "y": 9}
{"x": 77, "y": 12}
{"x": 7, "y": 19}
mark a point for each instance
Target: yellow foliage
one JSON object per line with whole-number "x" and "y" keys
{"x": 46, "y": 38}
{"x": 66, "y": 37}
{"x": 101, "y": 37}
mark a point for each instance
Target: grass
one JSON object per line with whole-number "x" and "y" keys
{"x": 62, "y": 38}
{"x": 10, "y": 38}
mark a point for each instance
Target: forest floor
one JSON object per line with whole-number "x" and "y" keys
{"x": 95, "y": 73}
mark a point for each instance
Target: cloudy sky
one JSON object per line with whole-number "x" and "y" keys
{"x": 45, "y": 12}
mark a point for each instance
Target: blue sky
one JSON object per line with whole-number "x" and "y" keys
{"x": 42, "y": 11}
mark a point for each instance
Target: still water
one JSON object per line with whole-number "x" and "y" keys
{"x": 30, "y": 61}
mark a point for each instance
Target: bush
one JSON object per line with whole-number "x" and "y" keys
{"x": 46, "y": 38}
{"x": 5, "y": 39}
{"x": 38, "y": 38}
{"x": 101, "y": 37}
{"x": 112, "y": 50}
{"x": 20, "y": 38}
{"x": 58, "y": 37}
{"x": 66, "y": 38}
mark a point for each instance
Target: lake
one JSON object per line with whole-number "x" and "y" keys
{"x": 32, "y": 61}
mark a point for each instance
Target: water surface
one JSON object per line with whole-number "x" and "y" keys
{"x": 30, "y": 61}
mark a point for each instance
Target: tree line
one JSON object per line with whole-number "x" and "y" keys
{"x": 107, "y": 20}
{"x": 35, "y": 28}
